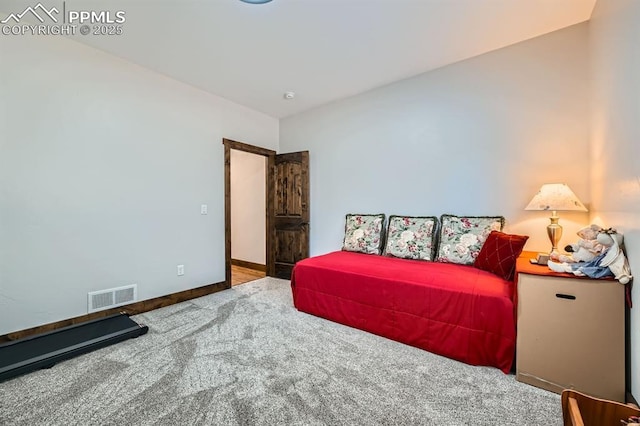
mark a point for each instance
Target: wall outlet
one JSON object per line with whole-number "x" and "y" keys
{"x": 204, "y": 209}
{"x": 180, "y": 270}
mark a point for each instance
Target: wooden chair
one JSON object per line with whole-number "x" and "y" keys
{"x": 579, "y": 409}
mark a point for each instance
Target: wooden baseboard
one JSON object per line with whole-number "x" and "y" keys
{"x": 131, "y": 309}
{"x": 249, "y": 265}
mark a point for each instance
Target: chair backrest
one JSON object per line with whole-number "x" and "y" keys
{"x": 579, "y": 409}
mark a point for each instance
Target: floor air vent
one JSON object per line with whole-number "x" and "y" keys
{"x": 111, "y": 298}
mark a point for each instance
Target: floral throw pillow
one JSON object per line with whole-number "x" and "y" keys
{"x": 462, "y": 237}
{"x": 410, "y": 237}
{"x": 363, "y": 233}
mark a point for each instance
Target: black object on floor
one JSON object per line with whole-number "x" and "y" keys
{"x": 45, "y": 350}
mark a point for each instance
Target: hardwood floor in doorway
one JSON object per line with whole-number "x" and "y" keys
{"x": 241, "y": 275}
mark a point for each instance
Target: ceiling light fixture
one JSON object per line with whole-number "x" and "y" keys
{"x": 256, "y": 1}
{"x": 289, "y": 95}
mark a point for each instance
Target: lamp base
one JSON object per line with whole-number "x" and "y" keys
{"x": 554, "y": 232}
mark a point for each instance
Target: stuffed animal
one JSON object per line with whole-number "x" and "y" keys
{"x": 614, "y": 257}
{"x": 585, "y": 249}
{"x": 611, "y": 262}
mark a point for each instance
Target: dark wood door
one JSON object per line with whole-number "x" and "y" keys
{"x": 290, "y": 239}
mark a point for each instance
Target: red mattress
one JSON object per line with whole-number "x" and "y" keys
{"x": 452, "y": 310}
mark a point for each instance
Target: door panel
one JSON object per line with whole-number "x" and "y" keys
{"x": 292, "y": 243}
{"x": 292, "y": 246}
{"x": 291, "y": 211}
{"x": 289, "y": 189}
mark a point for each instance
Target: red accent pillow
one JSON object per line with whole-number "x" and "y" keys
{"x": 499, "y": 253}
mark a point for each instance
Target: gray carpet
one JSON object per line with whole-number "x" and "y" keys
{"x": 245, "y": 356}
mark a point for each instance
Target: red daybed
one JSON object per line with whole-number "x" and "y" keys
{"x": 452, "y": 310}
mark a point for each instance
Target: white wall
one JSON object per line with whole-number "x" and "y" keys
{"x": 477, "y": 137}
{"x": 614, "y": 36}
{"x": 248, "y": 207}
{"x": 103, "y": 168}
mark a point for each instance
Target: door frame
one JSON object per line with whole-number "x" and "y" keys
{"x": 269, "y": 182}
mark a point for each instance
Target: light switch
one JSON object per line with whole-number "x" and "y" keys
{"x": 204, "y": 209}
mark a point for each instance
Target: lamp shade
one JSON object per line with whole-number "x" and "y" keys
{"x": 556, "y": 197}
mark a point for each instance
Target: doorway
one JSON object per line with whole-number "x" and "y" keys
{"x": 286, "y": 209}
{"x": 248, "y": 218}
{"x": 246, "y": 212}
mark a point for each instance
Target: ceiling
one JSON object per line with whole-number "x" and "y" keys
{"x": 322, "y": 50}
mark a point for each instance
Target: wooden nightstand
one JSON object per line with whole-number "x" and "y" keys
{"x": 570, "y": 331}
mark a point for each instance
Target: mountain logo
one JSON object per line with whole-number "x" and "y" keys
{"x": 38, "y": 11}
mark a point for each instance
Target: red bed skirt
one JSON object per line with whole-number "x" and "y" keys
{"x": 452, "y": 310}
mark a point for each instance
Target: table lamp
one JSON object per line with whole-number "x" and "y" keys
{"x": 555, "y": 197}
